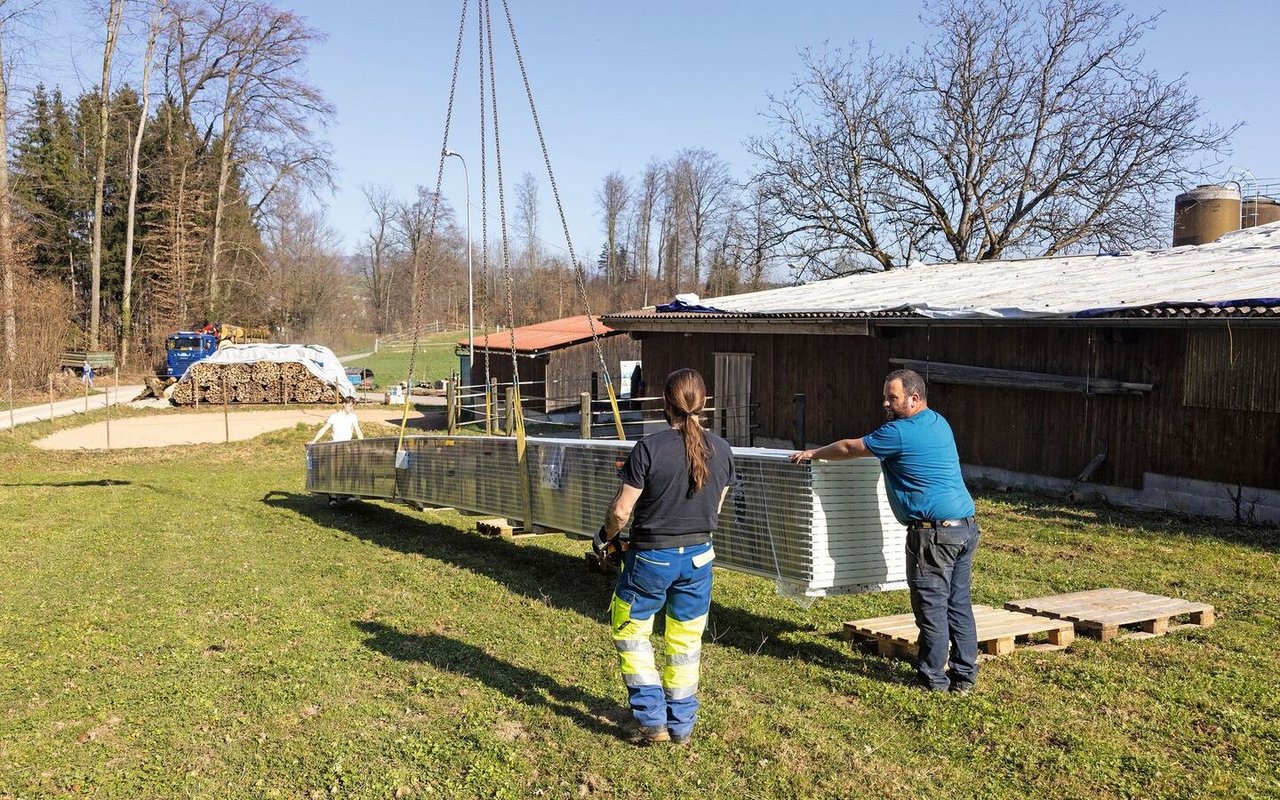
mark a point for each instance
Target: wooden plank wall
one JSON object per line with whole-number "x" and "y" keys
{"x": 566, "y": 372}
{"x": 569, "y": 369}
{"x": 1043, "y": 433}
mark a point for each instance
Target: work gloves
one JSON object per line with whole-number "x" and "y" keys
{"x": 608, "y": 552}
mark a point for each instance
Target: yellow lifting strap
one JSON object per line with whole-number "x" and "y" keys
{"x": 613, "y": 403}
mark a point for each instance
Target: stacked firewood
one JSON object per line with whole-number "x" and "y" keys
{"x": 259, "y": 382}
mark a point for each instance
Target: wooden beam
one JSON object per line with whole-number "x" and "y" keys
{"x": 964, "y": 374}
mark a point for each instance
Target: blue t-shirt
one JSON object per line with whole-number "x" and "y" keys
{"x": 921, "y": 468}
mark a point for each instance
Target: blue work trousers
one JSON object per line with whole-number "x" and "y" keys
{"x": 940, "y": 577}
{"x": 679, "y": 580}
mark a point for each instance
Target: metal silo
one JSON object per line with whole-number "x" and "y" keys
{"x": 1205, "y": 213}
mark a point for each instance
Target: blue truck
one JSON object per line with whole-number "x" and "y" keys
{"x": 184, "y": 348}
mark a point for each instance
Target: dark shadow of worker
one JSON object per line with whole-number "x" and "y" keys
{"x": 588, "y": 711}
{"x": 562, "y": 580}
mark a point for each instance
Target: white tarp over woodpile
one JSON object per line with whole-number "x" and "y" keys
{"x": 318, "y": 359}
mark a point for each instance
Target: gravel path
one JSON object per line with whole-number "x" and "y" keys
{"x": 178, "y": 428}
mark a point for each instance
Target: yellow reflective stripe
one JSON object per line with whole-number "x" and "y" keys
{"x": 624, "y": 627}
{"x": 681, "y": 693}
{"x": 641, "y": 678}
{"x": 680, "y": 676}
{"x": 635, "y": 651}
{"x": 685, "y": 636}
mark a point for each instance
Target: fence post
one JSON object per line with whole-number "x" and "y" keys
{"x": 107, "y": 406}
{"x": 226, "y": 419}
{"x": 11, "y": 404}
{"x": 451, "y": 408}
{"x": 584, "y": 404}
{"x": 511, "y": 410}
{"x": 797, "y": 433}
{"x": 51, "y": 397}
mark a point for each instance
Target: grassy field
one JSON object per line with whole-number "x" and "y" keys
{"x": 190, "y": 623}
{"x": 435, "y": 360}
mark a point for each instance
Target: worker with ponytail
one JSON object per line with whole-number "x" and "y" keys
{"x": 673, "y": 485}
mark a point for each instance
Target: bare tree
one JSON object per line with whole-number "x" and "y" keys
{"x": 126, "y": 297}
{"x": 526, "y": 218}
{"x": 614, "y": 195}
{"x": 115, "y": 13}
{"x": 413, "y": 224}
{"x": 380, "y": 267}
{"x": 706, "y": 185}
{"x": 1024, "y": 127}
{"x": 267, "y": 108}
{"x": 646, "y": 204}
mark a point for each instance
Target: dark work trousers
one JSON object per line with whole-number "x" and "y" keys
{"x": 940, "y": 576}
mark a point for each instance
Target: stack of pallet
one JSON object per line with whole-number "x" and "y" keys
{"x": 257, "y": 382}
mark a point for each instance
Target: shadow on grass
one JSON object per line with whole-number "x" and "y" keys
{"x": 68, "y": 484}
{"x": 521, "y": 684}
{"x": 562, "y": 580}
{"x": 1129, "y": 522}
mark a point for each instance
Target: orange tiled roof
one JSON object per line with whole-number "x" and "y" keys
{"x": 542, "y": 336}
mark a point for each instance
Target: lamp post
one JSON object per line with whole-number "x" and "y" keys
{"x": 471, "y": 344}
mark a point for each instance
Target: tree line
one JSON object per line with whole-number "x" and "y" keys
{"x": 134, "y": 209}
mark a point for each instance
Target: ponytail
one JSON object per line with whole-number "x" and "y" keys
{"x": 684, "y": 396}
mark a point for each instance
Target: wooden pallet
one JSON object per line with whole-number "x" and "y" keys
{"x": 495, "y": 527}
{"x": 1102, "y": 612}
{"x": 1000, "y": 632}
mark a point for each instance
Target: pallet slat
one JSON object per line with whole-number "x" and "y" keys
{"x": 999, "y": 632}
{"x": 1104, "y": 611}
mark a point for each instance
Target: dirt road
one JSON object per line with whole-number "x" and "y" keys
{"x": 178, "y": 428}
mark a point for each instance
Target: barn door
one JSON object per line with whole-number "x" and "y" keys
{"x": 731, "y": 395}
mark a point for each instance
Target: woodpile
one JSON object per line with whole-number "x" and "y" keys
{"x": 259, "y": 382}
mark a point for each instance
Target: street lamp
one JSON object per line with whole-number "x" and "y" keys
{"x": 471, "y": 344}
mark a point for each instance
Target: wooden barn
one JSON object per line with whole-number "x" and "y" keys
{"x": 557, "y": 361}
{"x": 1150, "y": 379}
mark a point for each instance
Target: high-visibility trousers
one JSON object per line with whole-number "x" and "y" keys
{"x": 679, "y": 580}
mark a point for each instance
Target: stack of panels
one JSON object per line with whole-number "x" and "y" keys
{"x": 818, "y": 529}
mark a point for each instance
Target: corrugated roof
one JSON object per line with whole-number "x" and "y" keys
{"x": 1240, "y": 271}
{"x": 543, "y": 336}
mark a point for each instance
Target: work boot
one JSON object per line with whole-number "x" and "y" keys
{"x": 681, "y": 738}
{"x": 648, "y": 734}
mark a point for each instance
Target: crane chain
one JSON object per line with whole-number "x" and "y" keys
{"x": 431, "y": 226}
{"x": 578, "y": 270}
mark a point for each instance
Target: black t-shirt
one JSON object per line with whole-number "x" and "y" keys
{"x": 665, "y": 516}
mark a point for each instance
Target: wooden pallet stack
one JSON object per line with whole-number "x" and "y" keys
{"x": 258, "y": 382}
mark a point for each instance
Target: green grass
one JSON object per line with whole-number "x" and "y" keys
{"x": 435, "y": 360}
{"x": 190, "y": 623}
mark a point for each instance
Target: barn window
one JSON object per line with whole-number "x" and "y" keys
{"x": 1233, "y": 369}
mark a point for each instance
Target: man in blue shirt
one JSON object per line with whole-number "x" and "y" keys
{"x": 917, "y": 453}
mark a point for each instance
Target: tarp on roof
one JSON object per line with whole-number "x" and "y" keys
{"x": 1242, "y": 264}
{"x": 543, "y": 335}
{"x": 318, "y": 359}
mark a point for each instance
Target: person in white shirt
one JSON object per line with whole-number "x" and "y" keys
{"x": 344, "y": 423}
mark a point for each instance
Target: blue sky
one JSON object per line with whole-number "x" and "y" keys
{"x": 621, "y": 83}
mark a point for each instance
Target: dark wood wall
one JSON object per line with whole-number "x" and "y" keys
{"x": 559, "y": 376}
{"x": 1039, "y": 432}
